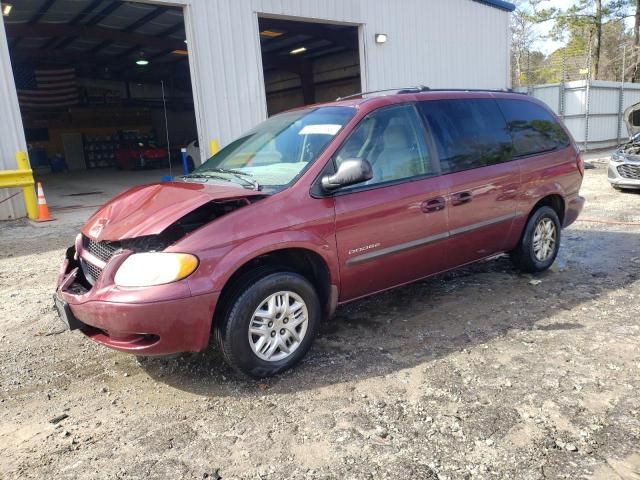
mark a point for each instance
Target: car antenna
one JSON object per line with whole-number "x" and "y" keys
{"x": 166, "y": 128}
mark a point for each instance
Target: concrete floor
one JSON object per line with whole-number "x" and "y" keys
{"x": 72, "y": 197}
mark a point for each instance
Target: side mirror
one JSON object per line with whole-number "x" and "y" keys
{"x": 350, "y": 172}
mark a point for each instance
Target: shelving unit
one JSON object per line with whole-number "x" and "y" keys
{"x": 100, "y": 150}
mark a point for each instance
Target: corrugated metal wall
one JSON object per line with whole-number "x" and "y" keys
{"x": 453, "y": 43}
{"x": 11, "y": 132}
{"x": 606, "y": 103}
{"x": 457, "y": 43}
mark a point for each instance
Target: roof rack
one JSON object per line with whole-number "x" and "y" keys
{"x": 494, "y": 90}
{"x": 422, "y": 88}
{"x": 415, "y": 89}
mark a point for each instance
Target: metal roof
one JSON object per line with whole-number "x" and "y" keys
{"x": 36, "y": 26}
{"x": 506, "y": 6}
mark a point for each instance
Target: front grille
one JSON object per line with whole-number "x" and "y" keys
{"x": 102, "y": 250}
{"x": 629, "y": 171}
{"x": 91, "y": 272}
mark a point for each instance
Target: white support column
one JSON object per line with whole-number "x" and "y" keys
{"x": 11, "y": 130}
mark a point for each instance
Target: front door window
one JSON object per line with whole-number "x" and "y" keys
{"x": 392, "y": 140}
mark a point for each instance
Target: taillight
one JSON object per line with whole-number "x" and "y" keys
{"x": 580, "y": 163}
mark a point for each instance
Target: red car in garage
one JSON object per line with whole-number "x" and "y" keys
{"x": 141, "y": 155}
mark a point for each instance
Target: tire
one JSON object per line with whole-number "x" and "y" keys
{"x": 524, "y": 255}
{"x": 627, "y": 190}
{"x": 232, "y": 331}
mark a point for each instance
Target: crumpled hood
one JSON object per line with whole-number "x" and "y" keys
{"x": 633, "y": 127}
{"x": 150, "y": 209}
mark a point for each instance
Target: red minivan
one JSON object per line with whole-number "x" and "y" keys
{"x": 317, "y": 207}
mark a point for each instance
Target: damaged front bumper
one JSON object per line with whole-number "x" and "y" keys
{"x": 157, "y": 320}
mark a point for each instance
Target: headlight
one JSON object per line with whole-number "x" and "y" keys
{"x": 147, "y": 269}
{"x": 617, "y": 157}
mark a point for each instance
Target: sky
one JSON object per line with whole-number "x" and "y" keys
{"x": 548, "y": 46}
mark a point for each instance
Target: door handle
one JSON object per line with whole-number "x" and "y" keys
{"x": 433, "y": 205}
{"x": 461, "y": 198}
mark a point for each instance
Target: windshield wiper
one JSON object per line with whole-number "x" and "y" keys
{"x": 243, "y": 176}
{"x": 202, "y": 175}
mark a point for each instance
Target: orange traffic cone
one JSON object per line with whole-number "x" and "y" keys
{"x": 43, "y": 209}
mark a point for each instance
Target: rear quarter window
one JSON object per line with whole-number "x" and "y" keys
{"x": 532, "y": 127}
{"x": 468, "y": 133}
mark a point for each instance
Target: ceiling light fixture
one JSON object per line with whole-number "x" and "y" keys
{"x": 142, "y": 61}
{"x": 6, "y": 9}
{"x": 296, "y": 51}
{"x": 381, "y": 38}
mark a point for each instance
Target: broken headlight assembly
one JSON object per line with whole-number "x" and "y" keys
{"x": 155, "y": 268}
{"x": 618, "y": 156}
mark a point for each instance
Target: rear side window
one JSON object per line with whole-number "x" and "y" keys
{"x": 468, "y": 133}
{"x": 532, "y": 127}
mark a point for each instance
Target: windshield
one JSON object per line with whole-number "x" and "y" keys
{"x": 275, "y": 152}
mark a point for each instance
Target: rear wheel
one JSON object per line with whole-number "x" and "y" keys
{"x": 270, "y": 324}
{"x": 540, "y": 242}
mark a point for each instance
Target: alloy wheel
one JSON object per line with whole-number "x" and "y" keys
{"x": 544, "y": 239}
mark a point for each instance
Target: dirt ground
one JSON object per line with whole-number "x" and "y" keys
{"x": 483, "y": 373}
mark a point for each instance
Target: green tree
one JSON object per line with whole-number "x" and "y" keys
{"x": 525, "y": 60}
{"x": 635, "y": 66}
{"x": 614, "y": 39}
{"x": 585, "y": 22}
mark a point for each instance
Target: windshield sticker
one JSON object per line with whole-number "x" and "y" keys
{"x": 326, "y": 129}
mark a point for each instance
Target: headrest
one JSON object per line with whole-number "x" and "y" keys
{"x": 395, "y": 136}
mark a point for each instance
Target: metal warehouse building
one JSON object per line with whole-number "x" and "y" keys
{"x": 83, "y": 79}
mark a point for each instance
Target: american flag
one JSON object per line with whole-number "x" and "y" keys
{"x": 46, "y": 88}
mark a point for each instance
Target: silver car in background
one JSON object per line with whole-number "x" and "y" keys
{"x": 624, "y": 165}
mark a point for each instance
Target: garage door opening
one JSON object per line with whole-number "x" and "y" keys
{"x": 105, "y": 94}
{"x": 307, "y": 63}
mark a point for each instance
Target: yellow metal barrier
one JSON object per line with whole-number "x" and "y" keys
{"x": 22, "y": 177}
{"x": 213, "y": 147}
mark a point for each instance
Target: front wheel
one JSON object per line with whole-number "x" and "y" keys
{"x": 540, "y": 242}
{"x": 270, "y": 324}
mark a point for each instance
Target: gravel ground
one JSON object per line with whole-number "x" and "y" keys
{"x": 482, "y": 373}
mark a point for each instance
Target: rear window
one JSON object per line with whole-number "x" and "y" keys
{"x": 468, "y": 133}
{"x": 532, "y": 127}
